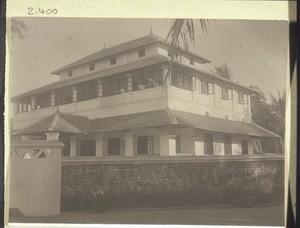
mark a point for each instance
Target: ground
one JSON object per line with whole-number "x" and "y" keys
{"x": 268, "y": 215}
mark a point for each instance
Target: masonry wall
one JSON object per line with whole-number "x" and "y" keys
{"x": 99, "y": 185}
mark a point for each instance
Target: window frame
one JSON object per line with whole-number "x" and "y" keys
{"x": 113, "y": 61}
{"x": 70, "y": 73}
{"x": 141, "y": 53}
{"x": 91, "y": 66}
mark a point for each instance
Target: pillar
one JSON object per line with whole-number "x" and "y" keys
{"x": 32, "y": 103}
{"x": 52, "y": 98}
{"x": 250, "y": 146}
{"x": 167, "y": 145}
{"x": 199, "y": 145}
{"x": 100, "y": 88}
{"x": 101, "y": 145}
{"x": 74, "y": 94}
{"x": 73, "y": 146}
{"x": 129, "y": 82}
{"x": 166, "y": 76}
{"x": 128, "y": 138}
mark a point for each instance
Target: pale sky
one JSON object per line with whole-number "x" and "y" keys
{"x": 256, "y": 51}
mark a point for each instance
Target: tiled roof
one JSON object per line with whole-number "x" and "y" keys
{"x": 179, "y": 118}
{"x": 133, "y": 44}
{"x": 57, "y": 122}
{"x": 69, "y": 123}
{"x": 116, "y": 70}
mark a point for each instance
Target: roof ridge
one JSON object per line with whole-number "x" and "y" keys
{"x": 34, "y": 123}
{"x": 54, "y": 122}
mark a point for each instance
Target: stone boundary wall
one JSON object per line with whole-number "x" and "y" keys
{"x": 95, "y": 185}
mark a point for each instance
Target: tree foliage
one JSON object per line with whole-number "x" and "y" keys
{"x": 182, "y": 34}
{"x": 18, "y": 29}
{"x": 223, "y": 71}
{"x": 272, "y": 117}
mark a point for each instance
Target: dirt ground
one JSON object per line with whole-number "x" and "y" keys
{"x": 270, "y": 215}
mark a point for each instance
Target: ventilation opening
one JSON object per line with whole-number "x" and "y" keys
{"x": 226, "y": 117}
{"x": 26, "y": 156}
{"x": 207, "y": 113}
{"x": 42, "y": 155}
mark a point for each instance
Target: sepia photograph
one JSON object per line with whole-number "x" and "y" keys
{"x": 147, "y": 121}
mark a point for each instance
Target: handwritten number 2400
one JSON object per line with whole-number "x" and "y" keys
{"x": 42, "y": 11}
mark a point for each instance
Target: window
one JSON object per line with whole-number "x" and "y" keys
{"x": 113, "y": 61}
{"x": 210, "y": 88}
{"x": 227, "y": 144}
{"x": 113, "y": 146}
{"x": 87, "y": 90}
{"x": 244, "y": 144}
{"x": 192, "y": 61}
{"x": 203, "y": 87}
{"x": 92, "y": 67}
{"x": 88, "y": 148}
{"x": 240, "y": 98}
{"x": 141, "y": 53}
{"x": 208, "y": 143}
{"x": 245, "y": 98}
{"x": 226, "y": 94}
{"x": 43, "y": 100}
{"x": 70, "y": 73}
{"x": 182, "y": 79}
{"x": 145, "y": 145}
{"x": 64, "y": 95}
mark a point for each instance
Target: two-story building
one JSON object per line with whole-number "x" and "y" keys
{"x": 131, "y": 100}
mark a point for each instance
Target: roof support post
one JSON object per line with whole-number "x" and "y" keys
{"x": 128, "y": 137}
{"x": 73, "y": 146}
{"x": 100, "y": 88}
{"x": 52, "y": 99}
{"x": 32, "y": 103}
{"x": 167, "y": 145}
{"x": 129, "y": 82}
{"x": 101, "y": 145}
{"x": 74, "y": 94}
{"x": 166, "y": 75}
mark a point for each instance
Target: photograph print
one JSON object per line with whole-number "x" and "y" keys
{"x": 147, "y": 121}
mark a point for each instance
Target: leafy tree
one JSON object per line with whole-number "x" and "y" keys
{"x": 272, "y": 117}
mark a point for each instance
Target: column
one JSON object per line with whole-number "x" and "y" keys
{"x": 101, "y": 145}
{"x": 32, "y": 103}
{"x": 167, "y": 145}
{"x": 129, "y": 82}
{"x": 128, "y": 138}
{"x": 198, "y": 85}
{"x": 166, "y": 76}
{"x": 194, "y": 85}
{"x": 100, "y": 88}
{"x": 73, "y": 146}
{"x": 250, "y": 146}
{"x": 199, "y": 145}
{"x": 52, "y": 99}
{"x": 74, "y": 94}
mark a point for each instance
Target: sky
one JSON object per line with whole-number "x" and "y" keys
{"x": 255, "y": 51}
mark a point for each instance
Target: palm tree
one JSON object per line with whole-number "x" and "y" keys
{"x": 18, "y": 29}
{"x": 182, "y": 35}
{"x": 223, "y": 71}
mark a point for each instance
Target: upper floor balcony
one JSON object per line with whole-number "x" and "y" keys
{"x": 146, "y": 99}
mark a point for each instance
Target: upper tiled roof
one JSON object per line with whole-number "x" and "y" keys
{"x": 117, "y": 49}
{"x": 57, "y": 122}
